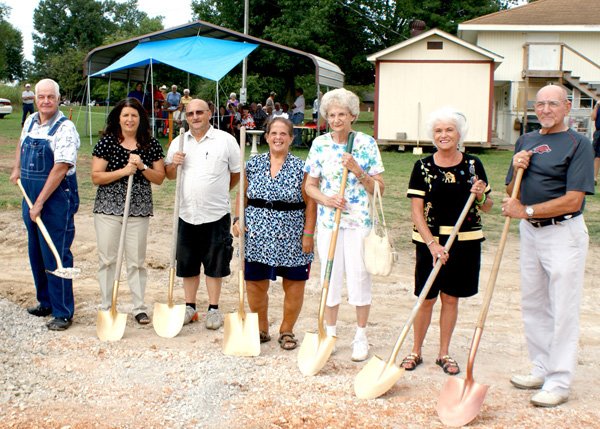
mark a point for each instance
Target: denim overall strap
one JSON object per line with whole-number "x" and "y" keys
{"x": 37, "y": 160}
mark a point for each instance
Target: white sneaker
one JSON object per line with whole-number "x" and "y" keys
{"x": 360, "y": 349}
{"x": 548, "y": 399}
{"x": 191, "y": 315}
{"x": 527, "y": 381}
{"x": 214, "y": 319}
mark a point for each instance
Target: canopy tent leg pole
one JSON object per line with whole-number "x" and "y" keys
{"x": 89, "y": 100}
{"x": 107, "y": 97}
{"x": 217, "y": 104}
{"x": 152, "y": 98}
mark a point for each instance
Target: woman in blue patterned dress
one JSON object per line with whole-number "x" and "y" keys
{"x": 324, "y": 165}
{"x": 439, "y": 187}
{"x": 280, "y": 222}
{"x": 126, "y": 149}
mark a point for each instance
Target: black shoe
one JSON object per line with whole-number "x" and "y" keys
{"x": 39, "y": 311}
{"x": 59, "y": 324}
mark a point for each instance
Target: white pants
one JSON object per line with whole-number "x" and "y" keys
{"x": 108, "y": 231}
{"x": 552, "y": 269}
{"x": 348, "y": 259}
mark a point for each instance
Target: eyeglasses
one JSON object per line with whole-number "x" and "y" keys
{"x": 195, "y": 112}
{"x": 553, "y": 104}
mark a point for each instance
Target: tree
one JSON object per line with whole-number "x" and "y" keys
{"x": 11, "y": 49}
{"x": 66, "y": 30}
{"x": 342, "y": 31}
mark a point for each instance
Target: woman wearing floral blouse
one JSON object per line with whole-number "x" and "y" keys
{"x": 280, "y": 223}
{"x": 126, "y": 149}
{"x": 325, "y": 164}
{"x": 439, "y": 188}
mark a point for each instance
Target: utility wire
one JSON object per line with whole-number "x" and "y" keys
{"x": 359, "y": 12}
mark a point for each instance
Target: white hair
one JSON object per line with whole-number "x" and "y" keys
{"x": 45, "y": 82}
{"x": 233, "y": 94}
{"x": 448, "y": 114}
{"x": 340, "y": 97}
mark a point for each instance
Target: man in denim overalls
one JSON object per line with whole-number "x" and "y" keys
{"x": 45, "y": 162}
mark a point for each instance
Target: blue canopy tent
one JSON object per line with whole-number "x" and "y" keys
{"x": 206, "y": 57}
{"x": 202, "y": 56}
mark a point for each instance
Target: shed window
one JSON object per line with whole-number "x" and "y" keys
{"x": 435, "y": 45}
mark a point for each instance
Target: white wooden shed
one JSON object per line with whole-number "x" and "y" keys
{"x": 426, "y": 72}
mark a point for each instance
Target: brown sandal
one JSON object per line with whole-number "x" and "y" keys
{"x": 410, "y": 362}
{"x": 264, "y": 337}
{"x": 287, "y": 341}
{"x": 449, "y": 365}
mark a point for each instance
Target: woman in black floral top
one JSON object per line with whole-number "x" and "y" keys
{"x": 125, "y": 149}
{"x": 280, "y": 223}
{"x": 439, "y": 188}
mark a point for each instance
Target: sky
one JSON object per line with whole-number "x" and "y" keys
{"x": 175, "y": 12}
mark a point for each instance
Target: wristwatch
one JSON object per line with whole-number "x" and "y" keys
{"x": 529, "y": 211}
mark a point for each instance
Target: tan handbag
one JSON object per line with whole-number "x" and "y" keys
{"x": 378, "y": 251}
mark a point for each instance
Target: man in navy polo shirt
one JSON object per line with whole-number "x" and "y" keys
{"x": 559, "y": 172}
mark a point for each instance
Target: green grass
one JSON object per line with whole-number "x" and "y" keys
{"x": 398, "y": 167}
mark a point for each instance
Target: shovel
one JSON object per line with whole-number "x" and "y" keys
{"x": 110, "y": 325}
{"x": 317, "y": 347}
{"x": 62, "y": 272}
{"x": 168, "y": 318}
{"x": 460, "y": 400}
{"x": 241, "y": 334}
{"x": 377, "y": 377}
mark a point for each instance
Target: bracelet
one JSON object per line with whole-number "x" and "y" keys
{"x": 235, "y": 219}
{"x": 308, "y": 232}
{"x": 482, "y": 202}
{"x": 431, "y": 242}
{"x": 308, "y": 235}
{"x": 362, "y": 175}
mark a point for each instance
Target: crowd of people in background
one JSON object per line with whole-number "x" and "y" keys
{"x": 228, "y": 117}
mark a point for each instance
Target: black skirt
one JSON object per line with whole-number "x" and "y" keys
{"x": 459, "y": 277}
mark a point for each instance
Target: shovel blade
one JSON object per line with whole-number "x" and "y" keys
{"x": 110, "y": 326}
{"x": 460, "y": 401}
{"x": 168, "y": 319}
{"x": 376, "y": 378}
{"x": 241, "y": 335}
{"x": 66, "y": 273}
{"x": 314, "y": 353}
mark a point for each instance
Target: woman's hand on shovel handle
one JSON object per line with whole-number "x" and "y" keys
{"x": 336, "y": 202}
{"x": 438, "y": 252}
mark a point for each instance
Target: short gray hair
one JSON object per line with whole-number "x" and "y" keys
{"x": 340, "y": 97}
{"x": 448, "y": 114}
{"x": 45, "y": 82}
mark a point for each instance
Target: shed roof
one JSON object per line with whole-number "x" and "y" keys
{"x": 327, "y": 73}
{"x": 544, "y": 12}
{"x": 435, "y": 32}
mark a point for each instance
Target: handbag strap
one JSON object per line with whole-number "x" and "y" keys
{"x": 374, "y": 212}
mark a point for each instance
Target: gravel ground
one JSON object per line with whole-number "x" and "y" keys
{"x": 73, "y": 380}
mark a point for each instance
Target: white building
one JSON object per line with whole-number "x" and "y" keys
{"x": 548, "y": 41}
{"x": 426, "y": 72}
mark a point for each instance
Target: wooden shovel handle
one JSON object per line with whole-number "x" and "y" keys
{"x": 175, "y": 223}
{"x": 333, "y": 243}
{"x": 121, "y": 248}
{"x": 489, "y": 291}
{"x": 242, "y": 220}
{"x": 42, "y": 227}
{"x": 432, "y": 275}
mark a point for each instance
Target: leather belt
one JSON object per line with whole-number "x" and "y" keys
{"x": 276, "y": 205}
{"x": 539, "y": 223}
